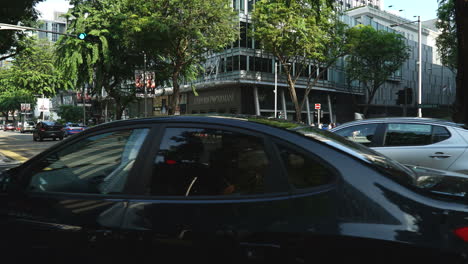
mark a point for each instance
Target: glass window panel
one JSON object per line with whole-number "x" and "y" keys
{"x": 196, "y": 161}
{"x": 407, "y": 135}
{"x": 98, "y": 164}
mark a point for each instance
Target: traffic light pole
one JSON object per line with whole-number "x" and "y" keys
{"x": 4, "y": 26}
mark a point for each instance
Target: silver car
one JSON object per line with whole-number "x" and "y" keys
{"x": 27, "y": 126}
{"x": 426, "y": 142}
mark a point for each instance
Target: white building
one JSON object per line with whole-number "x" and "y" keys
{"x": 438, "y": 82}
{"x": 58, "y": 24}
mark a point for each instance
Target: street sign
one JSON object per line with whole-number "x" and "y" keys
{"x": 428, "y": 106}
{"x": 317, "y": 106}
{"x": 25, "y": 107}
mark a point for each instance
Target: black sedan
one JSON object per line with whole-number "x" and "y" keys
{"x": 199, "y": 189}
{"x": 48, "y": 129}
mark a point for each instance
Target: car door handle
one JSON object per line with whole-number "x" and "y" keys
{"x": 440, "y": 155}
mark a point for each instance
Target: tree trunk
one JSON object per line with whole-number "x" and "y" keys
{"x": 293, "y": 95}
{"x": 175, "y": 92}
{"x": 461, "y": 19}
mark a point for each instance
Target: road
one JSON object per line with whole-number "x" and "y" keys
{"x": 19, "y": 147}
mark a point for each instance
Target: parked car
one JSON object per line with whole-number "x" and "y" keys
{"x": 230, "y": 189}
{"x": 73, "y": 128}
{"x": 425, "y": 142}
{"x": 27, "y": 126}
{"x": 9, "y": 127}
{"x": 48, "y": 129}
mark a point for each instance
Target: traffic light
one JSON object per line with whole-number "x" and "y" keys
{"x": 405, "y": 96}
{"x": 88, "y": 37}
{"x": 409, "y": 95}
{"x": 82, "y": 36}
{"x": 401, "y": 97}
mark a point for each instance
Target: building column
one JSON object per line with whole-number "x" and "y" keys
{"x": 283, "y": 102}
{"x": 256, "y": 102}
{"x": 308, "y": 111}
{"x": 330, "y": 109}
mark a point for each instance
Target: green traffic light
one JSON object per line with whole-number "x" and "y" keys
{"x": 82, "y": 36}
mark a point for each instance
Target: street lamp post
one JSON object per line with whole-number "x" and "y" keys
{"x": 276, "y": 85}
{"x": 419, "y": 68}
{"x": 419, "y": 61}
{"x": 276, "y": 88}
{"x": 144, "y": 83}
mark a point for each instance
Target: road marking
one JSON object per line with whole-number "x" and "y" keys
{"x": 13, "y": 155}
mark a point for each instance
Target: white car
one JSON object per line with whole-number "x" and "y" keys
{"x": 28, "y": 126}
{"x": 426, "y": 142}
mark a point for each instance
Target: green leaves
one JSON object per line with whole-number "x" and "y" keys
{"x": 446, "y": 42}
{"x": 374, "y": 56}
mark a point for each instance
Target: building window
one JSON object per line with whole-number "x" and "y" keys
{"x": 243, "y": 62}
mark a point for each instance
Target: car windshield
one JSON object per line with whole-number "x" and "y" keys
{"x": 73, "y": 125}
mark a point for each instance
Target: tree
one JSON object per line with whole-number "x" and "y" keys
{"x": 20, "y": 12}
{"x": 178, "y": 33}
{"x": 461, "y": 20}
{"x": 446, "y": 42}
{"x": 102, "y": 59}
{"x": 300, "y": 33}
{"x": 32, "y": 73}
{"x": 70, "y": 113}
{"x": 11, "y": 100}
{"x": 374, "y": 56}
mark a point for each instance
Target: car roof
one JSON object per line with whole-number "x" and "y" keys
{"x": 421, "y": 120}
{"x": 246, "y": 121}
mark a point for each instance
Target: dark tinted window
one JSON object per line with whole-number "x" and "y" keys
{"x": 303, "y": 171}
{"x": 98, "y": 164}
{"x": 193, "y": 161}
{"x": 363, "y": 134}
{"x": 407, "y": 135}
{"x": 439, "y": 134}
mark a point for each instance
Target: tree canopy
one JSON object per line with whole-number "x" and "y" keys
{"x": 300, "y": 33}
{"x": 446, "y": 42}
{"x": 178, "y": 33}
{"x": 102, "y": 60}
{"x": 20, "y": 12}
{"x": 374, "y": 56}
{"x": 32, "y": 73}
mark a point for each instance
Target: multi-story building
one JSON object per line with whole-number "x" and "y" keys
{"x": 58, "y": 24}
{"x": 241, "y": 79}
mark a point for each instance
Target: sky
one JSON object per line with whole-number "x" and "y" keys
{"x": 47, "y": 8}
{"x": 427, "y": 9}
{"x": 424, "y": 8}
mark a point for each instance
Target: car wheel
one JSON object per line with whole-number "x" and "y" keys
{"x": 61, "y": 138}
{"x": 54, "y": 139}
{"x": 41, "y": 139}
{"x": 34, "y": 138}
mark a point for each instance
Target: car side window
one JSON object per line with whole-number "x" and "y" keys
{"x": 439, "y": 134}
{"x": 398, "y": 134}
{"x": 196, "y": 161}
{"x": 98, "y": 164}
{"x": 303, "y": 171}
{"x": 363, "y": 134}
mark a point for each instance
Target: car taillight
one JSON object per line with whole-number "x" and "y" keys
{"x": 462, "y": 233}
{"x": 42, "y": 129}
